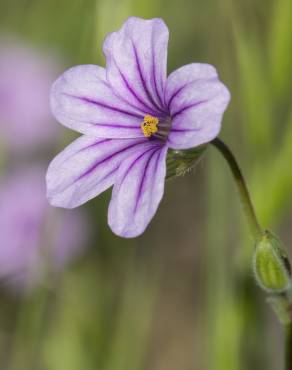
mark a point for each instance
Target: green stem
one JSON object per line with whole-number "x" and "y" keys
{"x": 245, "y": 199}
{"x": 288, "y": 347}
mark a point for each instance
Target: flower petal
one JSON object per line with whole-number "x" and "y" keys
{"x": 138, "y": 191}
{"x": 82, "y": 99}
{"x": 86, "y": 168}
{"x": 196, "y": 100}
{"x": 136, "y": 57}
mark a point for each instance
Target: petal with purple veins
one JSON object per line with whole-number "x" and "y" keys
{"x": 86, "y": 168}
{"x": 138, "y": 191}
{"x": 196, "y": 100}
{"x": 136, "y": 58}
{"x": 82, "y": 99}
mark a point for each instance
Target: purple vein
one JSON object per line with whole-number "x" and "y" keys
{"x": 92, "y": 145}
{"x": 181, "y": 88}
{"x": 104, "y": 178}
{"x": 128, "y": 86}
{"x": 135, "y": 162}
{"x": 103, "y": 105}
{"x": 143, "y": 80}
{"x": 104, "y": 160}
{"x": 115, "y": 125}
{"x": 189, "y": 106}
{"x": 96, "y": 143}
{"x": 185, "y": 129}
{"x": 141, "y": 185}
{"x": 177, "y": 92}
{"x": 146, "y": 107}
{"x": 95, "y": 165}
{"x": 154, "y": 69}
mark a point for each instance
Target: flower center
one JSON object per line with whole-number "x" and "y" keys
{"x": 154, "y": 128}
{"x": 149, "y": 126}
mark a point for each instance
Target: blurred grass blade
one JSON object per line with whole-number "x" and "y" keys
{"x": 280, "y": 46}
{"x": 272, "y": 185}
{"x": 255, "y": 91}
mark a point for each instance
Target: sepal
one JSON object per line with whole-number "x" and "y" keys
{"x": 179, "y": 162}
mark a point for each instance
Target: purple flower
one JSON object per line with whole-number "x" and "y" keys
{"x": 33, "y": 234}
{"x": 25, "y": 80}
{"x": 130, "y": 114}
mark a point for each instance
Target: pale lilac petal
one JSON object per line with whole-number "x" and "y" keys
{"x": 136, "y": 58}
{"x": 33, "y": 234}
{"x": 196, "y": 100}
{"x": 82, "y": 99}
{"x": 22, "y": 211}
{"x": 86, "y": 168}
{"x": 26, "y": 76}
{"x": 138, "y": 191}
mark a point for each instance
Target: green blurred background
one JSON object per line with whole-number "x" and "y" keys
{"x": 182, "y": 295}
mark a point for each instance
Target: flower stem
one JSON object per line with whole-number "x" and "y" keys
{"x": 288, "y": 347}
{"x": 245, "y": 199}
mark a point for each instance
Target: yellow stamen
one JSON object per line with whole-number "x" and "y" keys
{"x": 149, "y": 125}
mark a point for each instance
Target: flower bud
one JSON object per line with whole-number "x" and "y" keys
{"x": 271, "y": 265}
{"x": 179, "y": 162}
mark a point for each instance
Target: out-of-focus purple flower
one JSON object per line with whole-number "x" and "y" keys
{"x": 25, "y": 80}
{"x": 130, "y": 114}
{"x": 33, "y": 235}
